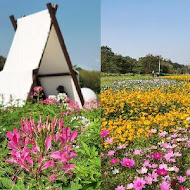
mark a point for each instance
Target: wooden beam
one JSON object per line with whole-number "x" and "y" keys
{"x": 65, "y": 52}
{"x": 54, "y": 75}
{"x": 55, "y": 6}
{"x": 14, "y": 22}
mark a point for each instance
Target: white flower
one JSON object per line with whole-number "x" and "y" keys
{"x": 61, "y": 96}
{"x": 171, "y": 169}
{"x": 143, "y": 170}
{"x": 115, "y": 171}
{"x": 126, "y": 154}
{"x": 52, "y": 97}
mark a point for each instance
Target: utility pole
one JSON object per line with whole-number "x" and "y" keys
{"x": 159, "y": 65}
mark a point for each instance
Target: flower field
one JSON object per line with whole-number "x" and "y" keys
{"x": 145, "y": 134}
{"x": 50, "y": 144}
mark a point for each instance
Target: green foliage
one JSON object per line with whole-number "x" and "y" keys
{"x": 90, "y": 79}
{"x": 113, "y": 63}
{"x": 87, "y": 172}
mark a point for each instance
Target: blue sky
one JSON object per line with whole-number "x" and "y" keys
{"x": 138, "y": 27}
{"x": 79, "y": 21}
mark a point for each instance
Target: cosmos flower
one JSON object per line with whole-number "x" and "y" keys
{"x": 127, "y": 162}
{"x": 139, "y": 183}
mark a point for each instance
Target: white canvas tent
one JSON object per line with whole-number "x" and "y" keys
{"x": 38, "y": 55}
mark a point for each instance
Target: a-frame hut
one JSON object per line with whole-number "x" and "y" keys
{"x": 38, "y": 56}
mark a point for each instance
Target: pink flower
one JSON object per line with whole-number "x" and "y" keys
{"x": 111, "y": 153}
{"x": 161, "y": 172}
{"x": 154, "y": 147}
{"x": 53, "y": 177}
{"x": 109, "y": 140}
{"x": 188, "y": 172}
{"x": 37, "y": 158}
{"x": 181, "y": 179}
{"x": 101, "y": 154}
{"x": 154, "y": 130}
{"x": 139, "y": 183}
{"x": 120, "y": 187}
{"x": 137, "y": 152}
{"x": 143, "y": 170}
{"x": 153, "y": 175}
{"x": 153, "y": 166}
{"x": 149, "y": 179}
{"x": 104, "y": 133}
{"x": 163, "y": 134}
{"x": 176, "y": 169}
{"x": 38, "y": 88}
{"x": 146, "y": 163}
{"x": 14, "y": 139}
{"x": 56, "y": 155}
{"x": 47, "y": 165}
{"x": 127, "y": 162}
{"x": 181, "y": 187}
{"x": 114, "y": 161}
{"x": 123, "y": 146}
{"x": 68, "y": 167}
{"x": 165, "y": 166}
{"x": 48, "y": 143}
{"x": 165, "y": 185}
{"x": 130, "y": 186}
{"x": 157, "y": 155}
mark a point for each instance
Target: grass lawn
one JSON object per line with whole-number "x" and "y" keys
{"x": 107, "y": 80}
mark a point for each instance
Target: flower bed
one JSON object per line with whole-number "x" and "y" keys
{"x": 145, "y": 137}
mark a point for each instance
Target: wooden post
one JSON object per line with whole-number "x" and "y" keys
{"x": 65, "y": 52}
{"x": 14, "y": 22}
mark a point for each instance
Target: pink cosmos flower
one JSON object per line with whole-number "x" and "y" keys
{"x": 153, "y": 166}
{"x": 153, "y": 175}
{"x": 154, "y": 147}
{"x": 163, "y": 166}
{"x": 139, "y": 183}
{"x": 127, "y": 162}
{"x": 181, "y": 179}
{"x": 137, "y": 152}
{"x": 146, "y": 163}
{"x": 154, "y": 130}
{"x": 104, "y": 133}
{"x": 162, "y": 172}
{"x": 143, "y": 170}
{"x": 101, "y": 154}
{"x": 130, "y": 186}
{"x": 114, "y": 161}
{"x": 111, "y": 153}
{"x": 188, "y": 172}
{"x": 157, "y": 155}
{"x": 176, "y": 169}
{"x": 163, "y": 134}
{"x": 149, "y": 179}
{"x": 165, "y": 185}
{"x": 120, "y": 187}
{"x": 181, "y": 187}
{"x": 123, "y": 146}
{"x": 109, "y": 140}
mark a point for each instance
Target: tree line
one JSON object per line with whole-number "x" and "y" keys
{"x": 114, "y": 63}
